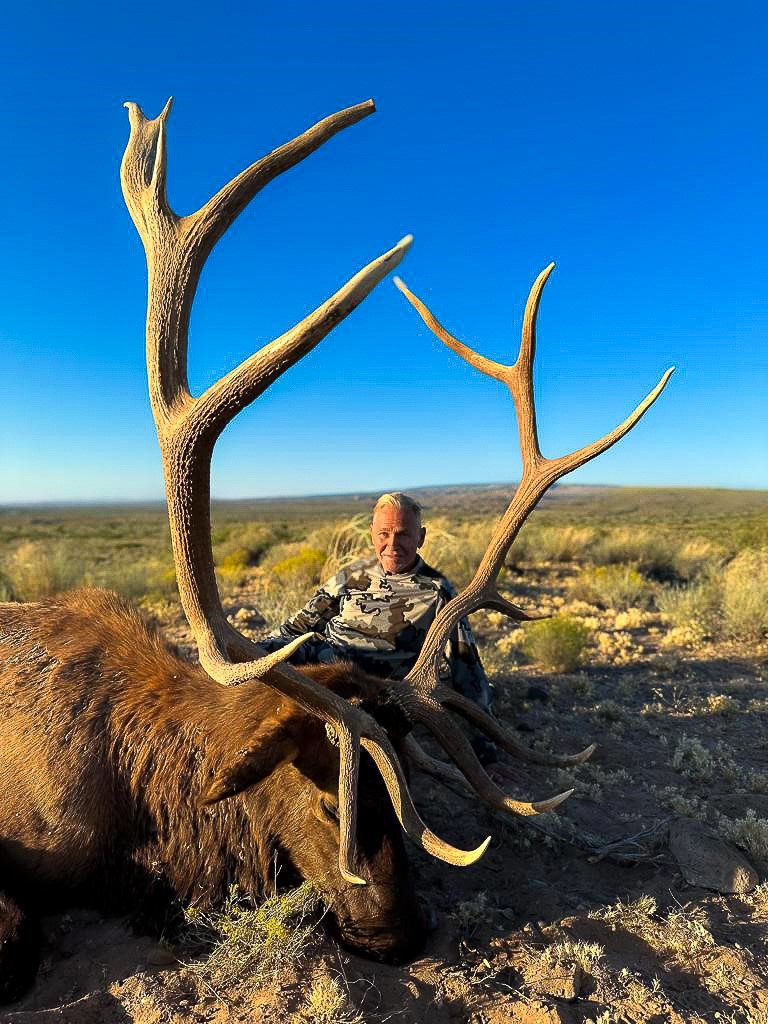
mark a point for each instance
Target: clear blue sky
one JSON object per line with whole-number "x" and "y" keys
{"x": 625, "y": 141}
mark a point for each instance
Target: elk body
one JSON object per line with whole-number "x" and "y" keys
{"x": 131, "y": 782}
{"x": 126, "y": 774}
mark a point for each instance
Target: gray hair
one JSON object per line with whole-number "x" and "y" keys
{"x": 396, "y": 499}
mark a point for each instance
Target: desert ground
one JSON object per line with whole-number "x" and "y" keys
{"x": 644, "y": 899}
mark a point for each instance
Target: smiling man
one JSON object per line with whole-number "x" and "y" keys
{"x": 377, "y": 610}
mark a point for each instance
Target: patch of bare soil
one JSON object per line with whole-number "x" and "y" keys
{"x": 582, "y": 916}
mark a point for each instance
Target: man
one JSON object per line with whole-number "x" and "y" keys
{"x": 376, "y": 612}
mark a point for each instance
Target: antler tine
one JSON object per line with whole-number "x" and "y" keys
{"x": 188, "y": 427}
{"x": 391, "y": 771}
{"x": 431, "y": 714}
{"x": 420, "y": 690}
{"x": 473, "y": 713}
{"x": 215, "y": 216}
{"x": 487, "y": 366}
{"x": 349, "y": 772}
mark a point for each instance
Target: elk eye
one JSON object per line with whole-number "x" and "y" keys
{"x": 329, "y": 809}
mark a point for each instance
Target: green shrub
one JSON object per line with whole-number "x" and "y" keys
{"x": 612, "y": 586}
{"x": 242, "y": 940}
{"x": 557, "y": 644}
{"x": 749, "y": 832}
{"x": 745, "y": 595}
{"x": 239, "y": 547}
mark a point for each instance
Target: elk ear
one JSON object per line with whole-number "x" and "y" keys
{"x": 271, "y": 746}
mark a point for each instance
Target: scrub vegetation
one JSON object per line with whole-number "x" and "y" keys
{"x": 654, "y": 644}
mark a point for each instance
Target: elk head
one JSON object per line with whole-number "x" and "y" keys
{"x": 285, "y": 767}
{"x": 187, "y": 427}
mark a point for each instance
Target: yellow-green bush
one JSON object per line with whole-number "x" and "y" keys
{"x": 237, "y": 548}
{"x": 612, "y": 586}
{"x": 557, "y": 644}
{"x": 728, "y": 603}
{"x": 242, "y": 940}
{"x": 234, "y": 565}
{"x": 697, "y": 557}
{"x": 304, "y": 567}
{"x": 749, "y": 832}
{"x": 7, "y": 592}
{"x": 328, "y": 1002}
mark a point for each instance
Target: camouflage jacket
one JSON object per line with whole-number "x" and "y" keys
{"x": 379, "y": 620}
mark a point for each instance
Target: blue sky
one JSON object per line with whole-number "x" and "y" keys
{"x": 625, "y": 141}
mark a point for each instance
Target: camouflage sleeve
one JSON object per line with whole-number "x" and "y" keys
{"x": 467, "y": 674}
{"x": 313, "y": 617}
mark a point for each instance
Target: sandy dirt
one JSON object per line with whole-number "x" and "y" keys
{"x": 586, "y": 917}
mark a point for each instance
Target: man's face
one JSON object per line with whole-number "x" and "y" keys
{"x": 397, "y": 538}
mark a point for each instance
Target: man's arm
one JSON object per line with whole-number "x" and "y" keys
{"x": 313, "y": 617}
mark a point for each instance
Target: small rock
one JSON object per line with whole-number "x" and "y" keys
{"x": 245, "y": 616}
{"x": 558, "y": 981}
{"x": 161, "y": 956}
{"x": 707, "y": 861}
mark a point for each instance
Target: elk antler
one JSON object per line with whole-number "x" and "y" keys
{"x": 420, "y": 694}
{"x": 187, "y": 428}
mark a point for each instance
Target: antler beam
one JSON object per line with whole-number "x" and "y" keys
{"x": 421, "y": 695}
{"x": 187, "y": 428}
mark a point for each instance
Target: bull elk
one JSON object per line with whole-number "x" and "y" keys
{"x": 131, "y": 778}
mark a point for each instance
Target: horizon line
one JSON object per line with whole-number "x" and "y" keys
{"x": 364, "y": 494}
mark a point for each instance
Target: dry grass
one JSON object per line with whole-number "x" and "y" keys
{"x": 745, "y": 595}
{"x": 457, "y": 551}
{"x": 695, "y": 607}
{"x": 470, "y": 914}
{"x": 570, "y": 952}
{"x": 36, "y": 570}
{"x": 681, "y": 936}
{"x": 562, "y": 544}
{"x": 348, "y": 541}
{"x": 749, "y": 832}
{"x": 652, "y": 554}
{"x": 327, "y": 1002}
{"x": 729, "y": 603}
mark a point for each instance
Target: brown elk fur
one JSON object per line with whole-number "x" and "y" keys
{"x": 128, "y": 775}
